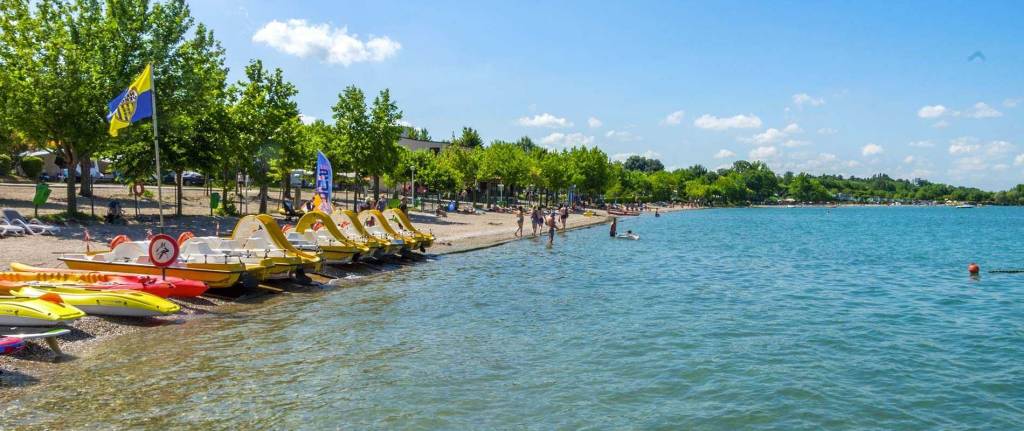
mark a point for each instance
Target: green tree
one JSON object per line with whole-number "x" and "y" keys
{"x": 264, "y": 118}
{"x": 469, "y": 138}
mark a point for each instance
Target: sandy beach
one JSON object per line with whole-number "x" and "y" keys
{"x": 455, "y": 233}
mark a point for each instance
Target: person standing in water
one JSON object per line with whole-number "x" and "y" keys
{"x": 563, "y": 212}
{"x": 537, "y": 219}
{"x": 519, "y": 220}
{"x": 552, "y": 226}
{"x": 614, "y": 228}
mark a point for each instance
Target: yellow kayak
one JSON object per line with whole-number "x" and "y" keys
{"x": 36, "y": 311}
{"x": 105, "y": 302}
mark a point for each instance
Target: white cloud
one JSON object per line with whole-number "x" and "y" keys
{"x": 1012, "y": 103}
{"x": 802, "y": 99}
{"x": 908, "y": 160}
{"x": 827, "y": 131}
{"x": 998, "y": 148}
{"x": 763, "y": 152}
{"x": 982, "y": 110}
{"x": 562, "y": 140}
{"x": 622, "y": 136}
{"x": 963, "y": 145}
{"x": 712, "y": 122}
{"x": 969, "y": 164}
{"x": 724, "y": 154}
{"x": 931, "y": 111}
{"x": 621, "y": 157}
{"x": 941, "y": 124}
{"x": 545, "y": 120}
{"x": 674, "y": 119}
{"x": 871, "y": 150}
{"x": 770, "y": 136}
{"x": 1019, "y": 160}
{"x": 594, "y": 123}
{"x": 333, "y": 45}
{"x": 793, "y": 143}
{"x": 309, "y": 119}
{"x": 921, "y": 144}
{"x": 793, "y": 128}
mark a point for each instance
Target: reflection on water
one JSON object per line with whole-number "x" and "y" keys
{"x": 727, "y": 319}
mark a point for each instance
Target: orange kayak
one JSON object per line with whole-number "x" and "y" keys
{"x": 25, "y": 275}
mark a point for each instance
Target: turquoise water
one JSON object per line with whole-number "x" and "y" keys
{"x": 853, "y": 318}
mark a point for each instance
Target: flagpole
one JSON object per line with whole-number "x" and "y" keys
{"x": 156, "y": 149}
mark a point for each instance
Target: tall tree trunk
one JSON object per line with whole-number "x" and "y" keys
{"x": 376, "y": 187}
{"x": 177, "y": 198}
{"x": 264, "y": 188}
{"x": 69, "y": 163}
{"x": 286, "y": 185}
{"x": 86, "y": 166}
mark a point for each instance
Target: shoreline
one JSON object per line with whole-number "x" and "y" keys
{"x": 32, "y": 366}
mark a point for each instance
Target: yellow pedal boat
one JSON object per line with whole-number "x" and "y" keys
{"x": 99, "y": 302}
{"x": 376, "y": 224}
{"x": 256, "y": 231}
{"x": 402, "y": 223}
{"x": 348, "y": 223}
{"x": 22, "y": 311}
{"x": 334, "y": 247}
{"x": 216, "y": 270}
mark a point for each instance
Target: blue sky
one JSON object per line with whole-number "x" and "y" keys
{"x": 840, "y": 87}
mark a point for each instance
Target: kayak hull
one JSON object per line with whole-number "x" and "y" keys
{"x": 36, "y": 312}
{"x": 122, "y": 303}
{"x": 163, "y": 287}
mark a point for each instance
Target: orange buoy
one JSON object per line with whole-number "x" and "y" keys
{"x": 973, "y": 268}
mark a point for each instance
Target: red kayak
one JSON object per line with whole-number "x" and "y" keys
{"x": 10, "y": 345}
{"x": 25, "y": 275}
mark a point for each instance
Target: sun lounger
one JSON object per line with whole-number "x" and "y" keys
{"x": 33, "y": 226}
{"x": 6, "y": 228}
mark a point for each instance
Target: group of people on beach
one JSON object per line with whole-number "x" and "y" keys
{"x": 540, "y": 220}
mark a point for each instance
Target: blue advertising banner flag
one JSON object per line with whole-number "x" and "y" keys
{"x": 324, "y": 182}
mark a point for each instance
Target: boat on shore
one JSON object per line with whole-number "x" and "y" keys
{"x": 26, "y": 275}
{"x": 348, "y": 223}
{"x": 315, "y": 231}
{"x": 378, "y": 225}
{"x": 214, "y": 269}
{"x": 403, "y": 224}
{"x": 46, "y": 310}
{"x": 964, "y": 206}
{"x": 124, "y": 303}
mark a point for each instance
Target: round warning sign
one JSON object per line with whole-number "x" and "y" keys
{"x": 163, "y": 250}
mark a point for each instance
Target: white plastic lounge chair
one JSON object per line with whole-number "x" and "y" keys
{"x": 33, "y": 226}
{"x": 6, "y": 228}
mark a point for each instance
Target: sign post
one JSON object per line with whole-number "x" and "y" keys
{"x": 163, "y": 251}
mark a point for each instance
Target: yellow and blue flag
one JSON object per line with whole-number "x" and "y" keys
{"x": 134, "y": 104}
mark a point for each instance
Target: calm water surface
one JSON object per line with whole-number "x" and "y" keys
{"x": 719, "y": 319}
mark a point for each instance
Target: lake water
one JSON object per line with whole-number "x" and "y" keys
{"x": 788, "y": 319}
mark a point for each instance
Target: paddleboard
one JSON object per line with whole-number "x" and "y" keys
{"x": 49, "y": 336}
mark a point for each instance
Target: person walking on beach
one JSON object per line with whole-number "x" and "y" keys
{"x": 520, "y": 214}
{"x": 552, "y": 226}
{"x": 563, "y": 213}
